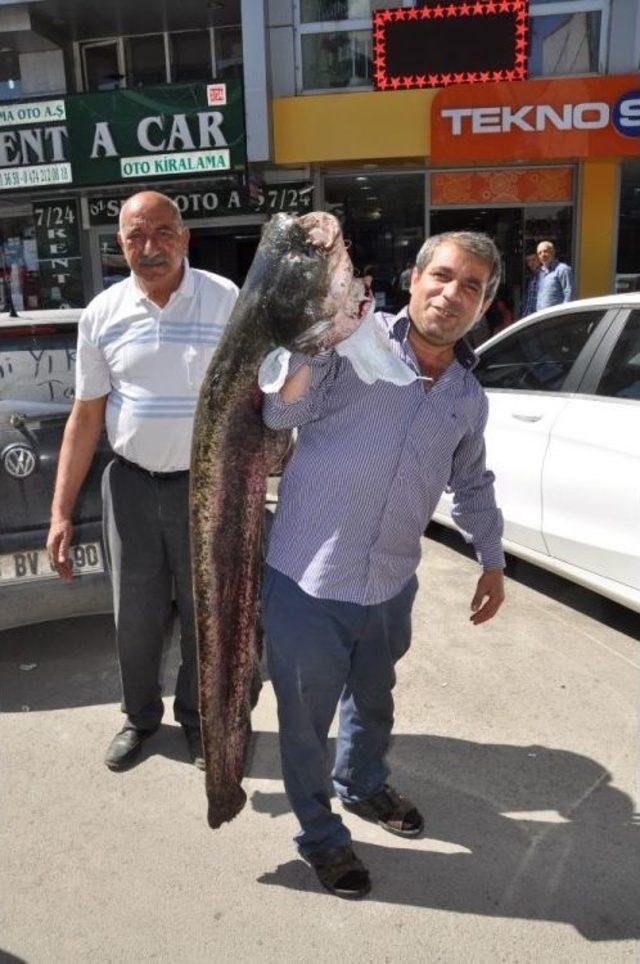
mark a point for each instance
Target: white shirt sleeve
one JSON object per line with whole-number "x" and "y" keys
{"x": 92, "y": 372}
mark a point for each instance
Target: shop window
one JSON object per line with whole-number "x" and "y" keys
{"x": 10, "y": 82}
{"x": 145, "y": 59}
{"x": 334, "y": 43}
{"x": 628, "y": 263}
{"x": 567, "y": 37}
{"x": 382, "y": 215}
{"x": 40, "y": 264}
{"x": 190, "y": 54}
{"x": 102, "y": 65}
{"x": 228, "y": 52}
{"x": 183, "y": 56}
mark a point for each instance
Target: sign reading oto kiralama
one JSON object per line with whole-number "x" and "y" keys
{"x": 111, "y": 137}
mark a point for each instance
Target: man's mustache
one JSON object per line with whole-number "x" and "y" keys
{"x": 147, "y": 261}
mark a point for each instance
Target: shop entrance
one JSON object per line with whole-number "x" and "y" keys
{"x": 228, "y": 253}
{"x": 516, "y": 231}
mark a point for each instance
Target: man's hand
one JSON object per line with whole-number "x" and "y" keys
{"x": 490, "y": 588}
{"x": 58, "y": 544}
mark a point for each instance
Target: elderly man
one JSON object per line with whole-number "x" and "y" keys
{"x": 552, "y": 282}
{"x": 370, "y": 464}
{"x": 143, "y": 348}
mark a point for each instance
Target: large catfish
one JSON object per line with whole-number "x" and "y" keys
{"x": 299, "y": 293}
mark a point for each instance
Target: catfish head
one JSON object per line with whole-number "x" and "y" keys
{"x": 310, "y": 300}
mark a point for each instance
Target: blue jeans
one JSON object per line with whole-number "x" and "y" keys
{"x": 322, "y": 653}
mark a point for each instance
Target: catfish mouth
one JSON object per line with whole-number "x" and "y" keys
{"x": 328, "y": 332}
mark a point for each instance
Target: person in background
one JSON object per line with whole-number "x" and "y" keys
{"x": 531, "y": 285}
{"x": 553, "y": 281}
{"x": 143, "y": 349}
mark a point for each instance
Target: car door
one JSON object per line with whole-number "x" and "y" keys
{"x": 528, "y": 373}
{"x": 591, "y": 478}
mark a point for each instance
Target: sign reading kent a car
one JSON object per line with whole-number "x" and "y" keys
{"x": 172, "y": 131}
{"x": 33, "y": 145}
{"x": 122, "y": 135}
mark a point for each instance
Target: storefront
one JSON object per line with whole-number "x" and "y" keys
{"x": 522, "y": 160}
{"x": 67, "y": 164}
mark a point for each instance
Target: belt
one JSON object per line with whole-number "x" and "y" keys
{"x": 151, "y": 472}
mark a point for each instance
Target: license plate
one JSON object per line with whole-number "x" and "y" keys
{"x": 32, "y": 564}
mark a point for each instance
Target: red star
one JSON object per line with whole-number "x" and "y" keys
{"x": 395, "y": 82}
{"x": 521, "y": 28}
{"x": 421, "y": 80}
{"x": 400, "y": 14}
{"x": 497, "y": 75}
{"x": 383, "y": 83}
{"x": 491, "y": 7}
{"x": 445, "y": 79}
{"x": 414, "y": 13}
{"x": 520, "y": 58}
{"x": 485, "y": 76}
{"x": 433, "y": 80}
{"x": 458, "y": 78}
{"x": 386, "y": 16}
{"x": 478, "y": 9}
{"x": 504, "y": 6}
{"x": 465, "y": 9}
{"x": 472, "y": 77}
{"x": 438, "y": 12}
{"x": 379, "y": 62}
{"x": 408, "y": 81}
{"x": 510, "y": 74}
{"x": 426, "y": 12}
{"x": 378, "y": 34}
{"x": 452, "y": 11}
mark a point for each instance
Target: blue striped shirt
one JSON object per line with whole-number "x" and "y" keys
{"x": 555, "y": 285}
{"x": 368, "y": 468}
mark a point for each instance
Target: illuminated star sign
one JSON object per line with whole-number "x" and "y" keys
{"x": 395, "y": 29}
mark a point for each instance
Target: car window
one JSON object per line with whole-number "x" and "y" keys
{"x": 621, "y": 377}
{"x": 37, "y": 368}
{"x": 537, "y": 358}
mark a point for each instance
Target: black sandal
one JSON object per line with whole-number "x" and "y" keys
{"x": 340, "y": 872}
{"x": 389, "y": 810}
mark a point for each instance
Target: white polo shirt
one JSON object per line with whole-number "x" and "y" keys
{"x": 151, "y": 361}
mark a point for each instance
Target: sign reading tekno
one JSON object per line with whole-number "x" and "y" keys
{"x": 171, "y": 131}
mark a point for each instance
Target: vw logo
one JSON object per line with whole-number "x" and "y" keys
{"x": 19, "y": 461}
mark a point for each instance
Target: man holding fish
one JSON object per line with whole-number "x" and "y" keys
{"x": 377, "y": 445}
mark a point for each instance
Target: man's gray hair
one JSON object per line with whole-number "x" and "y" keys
{"x": 478, "y": 245}
{"x": 170, "y": 202}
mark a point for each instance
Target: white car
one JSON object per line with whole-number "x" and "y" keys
{"x": 563, "y": 439}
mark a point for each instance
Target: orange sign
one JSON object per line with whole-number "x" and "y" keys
{"x": 537, "y": 119}
{"x": 508, "y": 185}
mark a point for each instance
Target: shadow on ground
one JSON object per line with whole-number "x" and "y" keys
{"x": 553, "y": 587}
{"x": 532, "y": 833}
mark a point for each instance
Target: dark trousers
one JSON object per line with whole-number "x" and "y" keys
{"x": 322, "y": 654}
{"x": 146, "y": 529}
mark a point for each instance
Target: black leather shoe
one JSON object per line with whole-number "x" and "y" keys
{"x": 194, "y": 743}
{"x": 125, "y": 747}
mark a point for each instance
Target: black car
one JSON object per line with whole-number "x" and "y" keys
{"x": 37, "y": 366}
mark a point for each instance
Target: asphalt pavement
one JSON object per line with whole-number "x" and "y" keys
{"x": 518, "y": 739}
